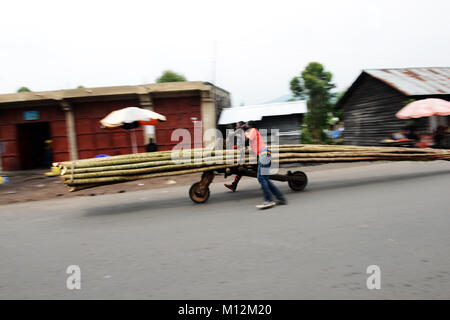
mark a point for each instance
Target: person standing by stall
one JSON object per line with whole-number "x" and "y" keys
{"x": 48, "y": 156}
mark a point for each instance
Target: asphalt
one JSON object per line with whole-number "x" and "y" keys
{"x": 157, "y": 244}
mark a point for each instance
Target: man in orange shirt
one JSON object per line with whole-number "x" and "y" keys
{"x": 264, "y": 161}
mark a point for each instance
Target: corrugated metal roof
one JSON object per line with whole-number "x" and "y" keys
{"x": 415, "y": 81}
{"x": 257, "y": 112}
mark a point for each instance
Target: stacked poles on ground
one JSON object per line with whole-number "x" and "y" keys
{"x": 89, "y": 173}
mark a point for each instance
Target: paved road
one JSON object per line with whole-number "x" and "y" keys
{"x": 157, "y": 244}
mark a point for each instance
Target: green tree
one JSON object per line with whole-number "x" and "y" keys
{"x": 23, "y": 89}
{"x": 80, "y": 87}
{"x": 315, "y": 85}
{"x": 406, "y": 102}
{"x": 171, "y": 76}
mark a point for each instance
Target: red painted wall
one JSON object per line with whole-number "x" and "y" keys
{"x": 178, "y": 112}
{"x": 93, "y": 140}
{"x": 9, "y": 119}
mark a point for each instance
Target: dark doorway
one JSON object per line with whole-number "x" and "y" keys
{"x": 34, "y": 147}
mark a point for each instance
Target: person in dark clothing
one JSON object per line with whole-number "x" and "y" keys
{"x": 439, "y": 137}
{"x": 411, "y": 133}
{"x": 48, "y": 152}
{"x": 240, "y": 145}
{"x": 151, "y": 146}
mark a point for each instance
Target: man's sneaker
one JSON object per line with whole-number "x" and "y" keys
{"x": 281, "y": 202}
{"x": 266, "y": 205}
{"x": 231, "y": 187}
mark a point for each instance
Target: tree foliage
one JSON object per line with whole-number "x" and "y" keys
{"x": 315, "y": 85}
{"x": 171, "y": 76}
{"x": 23, "y": 89}
{"x": 408, "y": 101}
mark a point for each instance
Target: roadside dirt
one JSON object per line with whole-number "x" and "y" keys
{"x": 34, "y": 186}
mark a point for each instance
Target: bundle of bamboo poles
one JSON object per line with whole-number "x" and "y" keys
{"x": 87, "y": 173}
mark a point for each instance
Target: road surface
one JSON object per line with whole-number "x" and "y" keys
{"x": 156, "y": 244}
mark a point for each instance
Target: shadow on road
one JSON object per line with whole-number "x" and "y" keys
{"x": 247, "y": 193}
{"x": 175, "y": 203}
{"x": 349, "y": 183}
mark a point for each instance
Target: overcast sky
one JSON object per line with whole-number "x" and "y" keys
{"x": 258, "y": 45}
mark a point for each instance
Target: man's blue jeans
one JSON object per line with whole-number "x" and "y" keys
{"x": 267, "y": 186}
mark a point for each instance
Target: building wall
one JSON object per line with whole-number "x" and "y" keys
{"x": 10, "y": 118}
{"x": 180, "y": 112}
{"x": 285, "y": 123}
{"x": 369, "y": 113}
{"x": 93, "y": 140}
{"x": 222, "y": 100}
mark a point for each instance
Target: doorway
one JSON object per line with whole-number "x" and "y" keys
{"x": 34, "y": 149}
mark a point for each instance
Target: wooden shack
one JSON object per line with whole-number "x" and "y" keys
{"x": 371, "y": 102}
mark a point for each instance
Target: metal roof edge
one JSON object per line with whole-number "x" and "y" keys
{"x": 103, "y": 91}
{"x": 405, "y": 80}
{"x": 270, "y": 104}
{"x": 385, "y": 81}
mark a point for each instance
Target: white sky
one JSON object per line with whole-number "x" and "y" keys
{"x": 260, "y": 45}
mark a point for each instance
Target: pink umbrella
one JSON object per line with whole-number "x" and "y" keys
{"x": 425, "y": 108}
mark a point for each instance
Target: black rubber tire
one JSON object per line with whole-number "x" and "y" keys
{"x": 298, "y": 184}
{"x": 197, "y": 197}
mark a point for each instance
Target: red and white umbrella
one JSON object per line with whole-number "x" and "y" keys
{"x": 130, "y": 115}
{"x": 425, "y": 108}
{"x": 131, "y": 118}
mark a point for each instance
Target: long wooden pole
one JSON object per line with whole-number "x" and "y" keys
{"x": 89, "y": 173}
